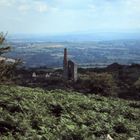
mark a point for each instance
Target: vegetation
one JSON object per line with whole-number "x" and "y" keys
{"x": 136, "y": 88}
{"x": 49, "y": 115}
{"x": 115, "y": 80}
{"x": 3, "y": 49}
{"x": 6, "y": 69}
{"x": 99, "y": 83}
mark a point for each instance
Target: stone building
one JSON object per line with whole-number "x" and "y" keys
{"x": 69, "y": 68}
{"x": 41, "y": 75}
{"x": 72, "y": 70}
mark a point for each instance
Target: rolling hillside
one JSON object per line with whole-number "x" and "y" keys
{"x": 35, "y": 114}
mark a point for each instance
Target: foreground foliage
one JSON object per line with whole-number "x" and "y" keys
{"x": 35, "y": 114}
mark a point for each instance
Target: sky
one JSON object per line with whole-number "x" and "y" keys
{"x": 69, "y": 16}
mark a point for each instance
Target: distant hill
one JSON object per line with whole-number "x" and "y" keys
{"x": 77, "y": 37}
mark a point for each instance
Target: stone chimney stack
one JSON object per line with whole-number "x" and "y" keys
{"x": 65, "y": 65}
{"x": 65, "y": 56}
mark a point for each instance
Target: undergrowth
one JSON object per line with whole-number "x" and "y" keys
{"x": 36, "y": 114}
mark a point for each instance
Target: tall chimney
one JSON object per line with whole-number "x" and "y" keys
{"x": 65, "y": 65}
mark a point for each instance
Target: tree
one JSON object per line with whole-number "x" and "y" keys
{"x": 98, "y": 83}
{"x": 6, "y": 69}
{"x": 3, "y": 49}
{"x": 103, "y": 84}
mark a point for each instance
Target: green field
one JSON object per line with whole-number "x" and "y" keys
{"x": 35, "y": 114}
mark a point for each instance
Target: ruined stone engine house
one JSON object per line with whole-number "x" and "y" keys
{"x": 69, "y": 68}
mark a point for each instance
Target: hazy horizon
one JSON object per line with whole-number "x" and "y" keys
{"x": 75, "y": 37}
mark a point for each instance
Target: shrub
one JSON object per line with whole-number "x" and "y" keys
{"x": 137, "y": 84}
{"x": 103, "y": 84}
{"x": 136, "y": 89}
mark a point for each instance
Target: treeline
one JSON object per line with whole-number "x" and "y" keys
{"x": 115, "y": 80}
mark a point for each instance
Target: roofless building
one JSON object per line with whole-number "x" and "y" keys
{"x": 69, "y": 68}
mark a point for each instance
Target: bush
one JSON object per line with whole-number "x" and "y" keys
{"x": 6, "y": 71}
{"x": 103, "y": 84}
{"x": 136, "y": 89}
{"x": 137, "y": 84}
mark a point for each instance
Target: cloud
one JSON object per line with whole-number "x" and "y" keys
{"x": 92, "y": 7}
{"x": 134, "y": 5}
{"x": 7, "y": 3}
{"x": 24, "y": 8}
{"x": 35, "y": 6}
{"x": 69, "y": 15}
{"x": 40, "y": 7}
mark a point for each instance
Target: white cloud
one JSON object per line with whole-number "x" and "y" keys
{"x": 69, "y": 15}
{"x": 40, "y": 7}
{"x": 133, "y": 4}
{"x": 24, "y": 8}
{"x": 7, "y": 3}
{"x": 92, "y": 7}
{"x": 34, "y": 6}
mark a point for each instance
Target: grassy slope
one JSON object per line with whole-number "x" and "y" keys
{"x": 27, "y": 113}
